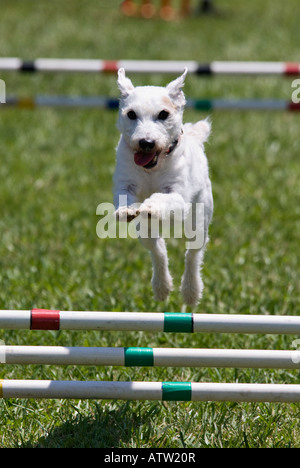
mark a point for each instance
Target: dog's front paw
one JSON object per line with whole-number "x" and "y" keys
{"x": 126, "y": 213}
{"x": 150, "y": 209}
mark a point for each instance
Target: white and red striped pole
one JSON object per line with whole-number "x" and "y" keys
{"x": 43, "y": 319}
{"x": 150, "y": 66}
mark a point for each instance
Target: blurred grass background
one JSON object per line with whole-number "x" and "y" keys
{"x": 56, "y": 167}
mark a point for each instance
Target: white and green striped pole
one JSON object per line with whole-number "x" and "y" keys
{"x": 150, "y": 357}
{"x": 161, "y": 391}
{"x": 103, "y": 102}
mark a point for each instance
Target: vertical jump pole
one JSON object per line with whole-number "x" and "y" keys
{"x": 147, "y": 9}
{"x": 167, "y": 12}
{"x": 128, "y": 7}
{"x": 185, "y": 7}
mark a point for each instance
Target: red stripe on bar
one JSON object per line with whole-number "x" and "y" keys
{"x": 44, "y": 319}
{"x": 292, "y": 68}
{"x": 293, "y": 106}
{"x": 110, "y": 66}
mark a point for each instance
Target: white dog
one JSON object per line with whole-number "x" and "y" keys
{"x": 161, "y": 167}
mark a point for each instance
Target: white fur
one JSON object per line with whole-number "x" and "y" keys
{"x": 179, "y": 178}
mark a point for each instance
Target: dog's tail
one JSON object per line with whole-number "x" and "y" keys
{"x": 200, "y": 130}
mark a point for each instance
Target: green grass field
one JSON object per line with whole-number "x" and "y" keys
{"x": 56, "y": 167}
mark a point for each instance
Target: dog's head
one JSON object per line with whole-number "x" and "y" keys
{"x": 150, "y": 119}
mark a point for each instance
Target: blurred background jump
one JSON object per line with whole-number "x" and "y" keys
{"x": 213, "y": 68}
{"x": 165, "y": 9}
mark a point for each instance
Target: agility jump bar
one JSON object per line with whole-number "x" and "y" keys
{"x": 43, "y": 319}
{"x": 150, "y": 357}
{"x": 161, "y": 391}
{"x": 113, "y": 103}
{"x": 150, "y": 66}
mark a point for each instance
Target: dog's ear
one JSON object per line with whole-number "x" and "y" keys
{"x": 175, "y": 89}
{"x": 124, "y": 83}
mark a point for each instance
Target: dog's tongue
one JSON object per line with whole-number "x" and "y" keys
{"x": 142, "y": 159}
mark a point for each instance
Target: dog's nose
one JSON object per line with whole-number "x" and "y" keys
{"x": 146, "y": 144}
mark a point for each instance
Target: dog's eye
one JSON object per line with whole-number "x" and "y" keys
{"x": 163, "y": 115}
{"x": 132, "y": 115}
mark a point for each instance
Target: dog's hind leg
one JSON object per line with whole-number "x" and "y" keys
{"x": 191, "y": 283}
{"x": 162, "y": 282}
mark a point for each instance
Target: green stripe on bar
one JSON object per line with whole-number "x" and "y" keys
{"x": 176, "y": 391}
{"x": 178, "y": 322}
{"x": 203, "y": 104}
{"x": 138, "y": 357}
